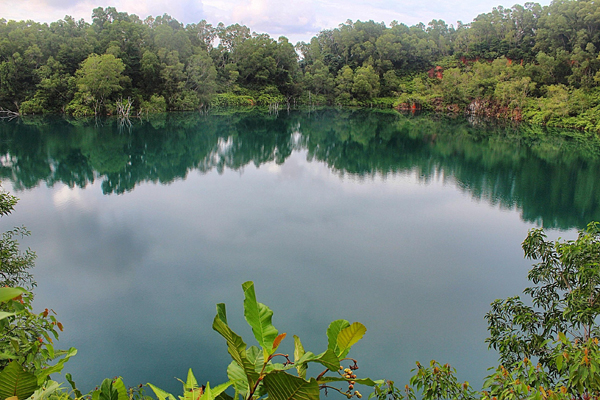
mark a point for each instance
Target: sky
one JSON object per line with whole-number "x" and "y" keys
{"x": 298, "y": 20}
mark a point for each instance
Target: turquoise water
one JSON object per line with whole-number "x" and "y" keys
{"x": 409, "y": 224}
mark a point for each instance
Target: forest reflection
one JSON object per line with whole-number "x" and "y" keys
{"x": 551, "y": 176}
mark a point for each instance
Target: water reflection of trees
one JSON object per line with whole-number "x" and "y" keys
{"x": 552, "y": 177}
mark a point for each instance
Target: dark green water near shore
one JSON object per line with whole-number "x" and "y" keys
{"x": 409, "y": 224}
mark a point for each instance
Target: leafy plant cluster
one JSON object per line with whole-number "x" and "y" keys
{"x": 253, "y": 373}
{"x": 27, "y": 353}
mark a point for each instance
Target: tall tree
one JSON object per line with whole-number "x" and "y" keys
{"x": 99, "y": 78}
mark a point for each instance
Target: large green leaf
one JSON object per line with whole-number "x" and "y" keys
{"x": 213, "y": 393}
{"x": 278, "y": 367}
{"x": 283, "y": 386}
{"x": 236, "y": 374}
{"x": 119, "y": 386}
{"x": 327, "y": 359}
{"x": 9, "y": 293}
{"x": 349, "y": 336}
{"x": 235, "y": 345}
{"x": 298, "y": 353}
{"x": 191, "y": 382}
{"x": 110, "y": 391}
{"x": 333, "y": 332}
{"x": 161, "y": 394}
{"x": 192, "y": 394}
{"x": 222, "y": 312}
{"x": 15, "y": 381}
{"x": 256, "y": 357}
{"x": 259, "y": 317}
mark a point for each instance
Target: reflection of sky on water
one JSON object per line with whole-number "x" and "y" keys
{"x": 135, "y": 277}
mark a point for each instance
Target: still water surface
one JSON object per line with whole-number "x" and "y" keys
{"x": 409, "y": 224}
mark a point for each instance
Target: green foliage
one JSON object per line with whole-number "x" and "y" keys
{"x": 564, "y": 296}
{"x": 156, "y": 104}
{"x": 6, "y": 294}
{"x": 439, "y": 382}
{"x": 253, "y": 372}
{"x": 230, "y": 99}
{"x": 14, "y": 264}
{"x": 191, "y": 390}
{"x": 366, "y": 83}
{"x": 569, "y": 366}
{"x": 99, "y": 78}
{"x": 579, "y": 365}
{"x": 27, "y": 352}
{"x": 111, "y": 390}
{"x": 29, "y": 338}
{"x": 17, "y": 383}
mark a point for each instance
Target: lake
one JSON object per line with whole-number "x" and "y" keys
{"x": 410, "y": 224}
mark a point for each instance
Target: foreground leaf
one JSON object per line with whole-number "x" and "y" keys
{"x": 333, "y": 331}
{"x": 191, "y": 382}
{"x": 9, "y": 293}
{"x": 349, "y": 336}
{"x": 278, "y": 340}
{"x": 4, "y": 314}
{"x": 161, "y": 394}
{"x": 235, "y": 345}
{"x": 298, "y": 353}
{"x": 108, "y": 391}
{"x": 283, "y": 386}
{"x": 328, "y": 359}
{"x": 259, "y": 317}
{"x": 212, "y": 394}
{"x": 15, "y": 381}
{"x": 119, "y": 386}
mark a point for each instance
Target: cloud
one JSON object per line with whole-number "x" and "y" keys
{"x": 56, "y": 3}
{"x": 277, "y": 16}
{"x": 187, "y": 11}
{"x": 297, "y": 20}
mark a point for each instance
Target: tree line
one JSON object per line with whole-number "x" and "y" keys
{"x": 532, "y": 62}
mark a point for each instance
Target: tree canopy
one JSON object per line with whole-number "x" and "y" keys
{"x": 524, "y": 62}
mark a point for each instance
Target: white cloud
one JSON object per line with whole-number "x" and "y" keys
{"x": 297, "y": 20}
{"x": 187, "y": 11}
{"x": 277, "y": 16}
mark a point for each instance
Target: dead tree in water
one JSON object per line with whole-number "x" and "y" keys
{"x": 8, "y": 113}
{"x": 123, "y": 110}
{"x": 124, "y": 107}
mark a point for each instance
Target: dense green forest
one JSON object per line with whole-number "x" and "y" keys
{"x": 527, "y": 62}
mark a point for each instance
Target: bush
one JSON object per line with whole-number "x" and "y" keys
{"x": 230, "y": 99}
{"x": 156, "y": 104}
